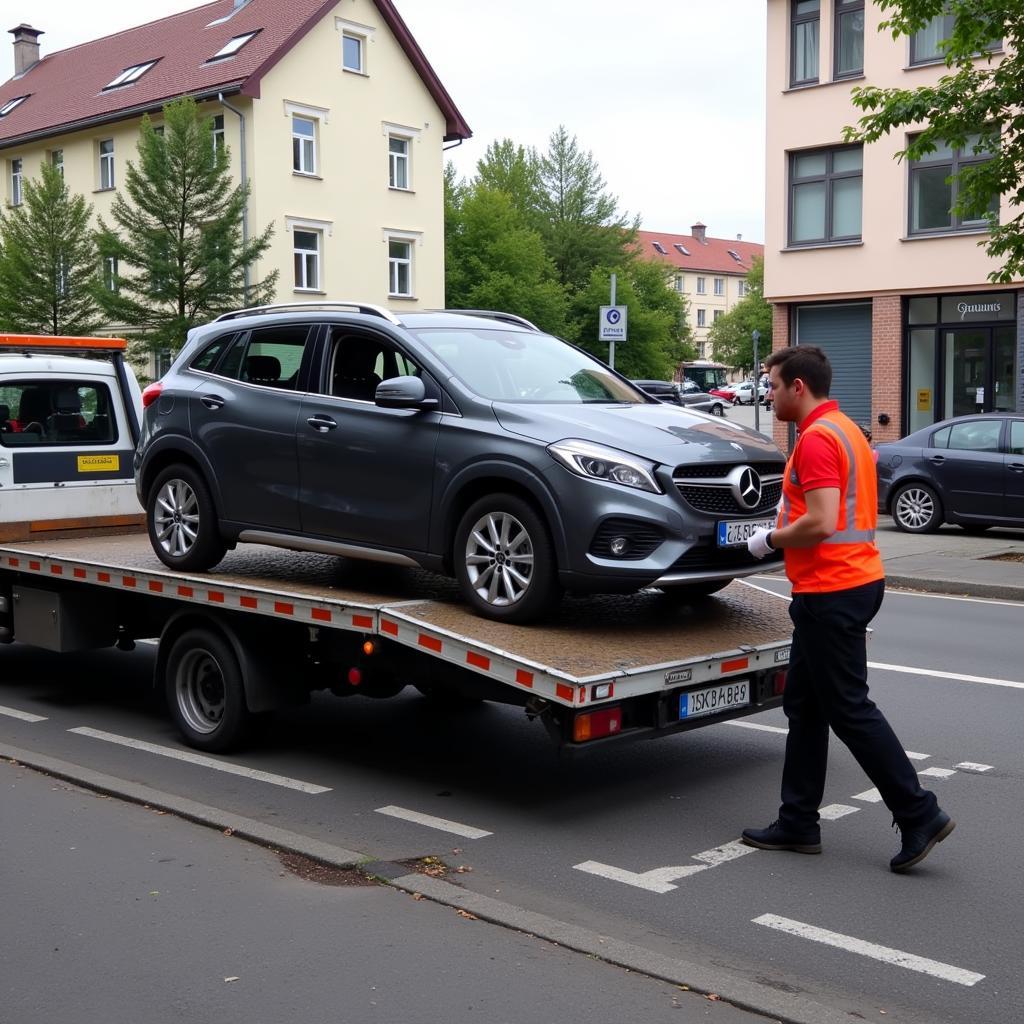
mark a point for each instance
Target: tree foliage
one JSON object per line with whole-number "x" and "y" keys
{"x": 48, "y": 261}
{"x": 510, "y": 168}
{"x": 731, "y": 334}
{"x": 976, "y": 106}
{"x": 177, "y": 233}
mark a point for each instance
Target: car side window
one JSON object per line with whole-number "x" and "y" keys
{"x": 359, "y": 362}
{"x": 1017, "y": 437}
{"x": 55, "y": 413}
{"x": 268, "y": 356}
{"x": 940, "y": 439}
{"x": 207, "y": 359}
{"x": 975, "y": 436}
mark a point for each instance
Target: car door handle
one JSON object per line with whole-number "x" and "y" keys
{"x": 1017, "y": 467}
{"x": 321, "y": 423}
{"x": 937, "y": 460}
{"x": 212, "y": 401}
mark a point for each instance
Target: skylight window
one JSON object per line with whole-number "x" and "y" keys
{"x": 660, "y": 248}
{"x": 683, "y": 251}
{"x": 232, "y": 46}
{"x": 735, "y": 255}
{"x": 132, "y": 74}
{"x": 11, "y": 105}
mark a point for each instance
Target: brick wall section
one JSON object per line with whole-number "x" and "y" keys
{"x": 780, "y": 339}
{"x": 886, "y": 366}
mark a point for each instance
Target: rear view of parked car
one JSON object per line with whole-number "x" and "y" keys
{"x": 687, "y": 394}
{"x": 968, "y": 470}
{"x": 469, "y": 444}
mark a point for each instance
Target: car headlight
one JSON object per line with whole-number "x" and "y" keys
{"x": 595, "y": 461}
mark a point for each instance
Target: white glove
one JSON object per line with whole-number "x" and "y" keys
{"x": 757, "y": 543}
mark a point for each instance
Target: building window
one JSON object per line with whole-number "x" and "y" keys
{"x": 352, "y": 52}
{"x": 57, "y": 161}
{"x": 803, "y": 38}
{"x": 825, "y": 190}
{"x": 131, "y": 75}
{"x": 741, "y": 290}
{"x": 933, "y": 195}
{"x": 399, "y": 267}
{"x": 849, "y": 38}
{"x": 16, "y": 194}
{"x": 107, "y": 164}
{"x": 218, "y": 132}
{"x": 110, "y": 274}
{"x": 927, "y": 44}
{"x": 702, "y": 350}
{"x": 700, "y": 285}
{"x": 719, "y": 285}
{"x": 714, "y": 316}
{"x": 680, "y": 282}
{"x": 12, "y": 105}
{"x": 681, "y": 249}
{"x": 307, "y": 259}
{"x": 303, "y": 145}
{"x": 702, "y": 318}
{"x": 398, "y": 162}
{"x": 232, "y": 46}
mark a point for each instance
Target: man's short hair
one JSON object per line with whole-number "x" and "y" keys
{"x": 806, "y": 362}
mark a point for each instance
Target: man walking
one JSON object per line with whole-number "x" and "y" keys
{"x": 826, "y": 531}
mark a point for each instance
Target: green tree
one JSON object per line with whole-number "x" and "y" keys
{"x": 495, "y": 261}
{"x": 48, "y": 261}
{"x": 579, "y": 219}
{"x": 177, "y": 233}
{"x": 731, "y": 334}
{"x": 510, "y": 168}
{"x": 975, "y": 107}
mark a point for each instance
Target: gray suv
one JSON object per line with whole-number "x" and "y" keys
{"x": 465, "y": 442}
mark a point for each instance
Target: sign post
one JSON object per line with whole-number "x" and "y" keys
{"x": 611, "y": 325}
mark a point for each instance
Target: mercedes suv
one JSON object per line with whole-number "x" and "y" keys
{"x": 465, "y": 442}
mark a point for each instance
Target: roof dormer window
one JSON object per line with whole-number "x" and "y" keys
{"x": 681, "y": 249}
{"x": 735, "y": 255}
{"x": 232, "y": 46}
{"x": 659, "y": 248}
{"x": 12, "y": 105}
{"x": 131, "y": 75}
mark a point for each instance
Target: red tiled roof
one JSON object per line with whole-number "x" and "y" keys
{"x": 66, "y": 88}
{"x": 711, "y": 255}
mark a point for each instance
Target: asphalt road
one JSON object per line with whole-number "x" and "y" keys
{"x": 635, "y": 842}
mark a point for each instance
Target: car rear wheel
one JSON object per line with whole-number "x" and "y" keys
{"x": 916, "y": 509}
{"x": 182, "y": 521}
{"x": 504, "y": 561}
{"x": 718, "y": 409}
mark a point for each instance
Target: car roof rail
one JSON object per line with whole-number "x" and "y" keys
{"x": 301, "y": 307}
{"x": 494, "y": 314}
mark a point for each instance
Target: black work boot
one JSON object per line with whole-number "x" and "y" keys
{"x": 918, "y": 842}
{"x": 778, "y": 837}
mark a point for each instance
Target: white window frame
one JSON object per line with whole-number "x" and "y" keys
{"x": 409, "y": 136}
{"x": 319, "y": 116}
{"x": 12, "y": 105}
{"x": 741, "y": 289}
{"x": 719, "y": 285}
{"x": 233, "y": 45}
{"x": 323, "y": 229}
{"x": 131, "y": 75}
{"x": 110, "y": 274}
{"x": 680, "y": 282}
{"x": 307, "y": 145}
{"x": 106, "y": 164}
{"x": 702, "y": 317}
{"x": 217, "y": 133}
{"x": 306, "y": 281}
{"x": 57, "y": 160}
{"x": 17, "y": 173}
{"x": 361, "y": 33}
{"x": 412, "y": 239}
{"x": 701, "y": 285}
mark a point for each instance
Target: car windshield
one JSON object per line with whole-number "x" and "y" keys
{"x": 516, "y": 366}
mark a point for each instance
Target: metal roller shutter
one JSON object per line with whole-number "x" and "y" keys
{"x": 844, "y": 334}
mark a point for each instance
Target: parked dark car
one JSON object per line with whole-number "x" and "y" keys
{"x": 470, "y": 444}
{"x": 968, "y": 470}
{"x": 687, "y": 394}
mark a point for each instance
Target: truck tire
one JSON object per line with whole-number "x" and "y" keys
{"x": 204, "y": 690}
{"x": 182, "y": 521}
{"x": 504, "y": 561}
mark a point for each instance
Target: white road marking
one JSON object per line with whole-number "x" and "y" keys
{"x": 200, "y": 759}
{"x": 869, "y": 796}
{"x": 443, "y": 824}
{"x": 764, "y": 590}
{"x": 23, "y": 716}
{"x": 915, "y": 756}
{"x": 757, "y": 725}
{"x": 725, "y": 853}
{"x": 834, "y": 811}
{"x": 658, "y": 880}
{"x": 896, "y": 957}
{"x": 937, "y": 773}
{"x": 972, "y": 766}
{"x": 898, "y": 593}
{"x": 959, "y": 677}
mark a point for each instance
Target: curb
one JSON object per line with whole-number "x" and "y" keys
{"x": 784, "y": 1007}
{"x": 966, "y": 588}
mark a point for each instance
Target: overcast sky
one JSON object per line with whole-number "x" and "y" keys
{"x": 667, "y": 94}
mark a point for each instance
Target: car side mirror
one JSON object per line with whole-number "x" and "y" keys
{"x": 403, "y": 393}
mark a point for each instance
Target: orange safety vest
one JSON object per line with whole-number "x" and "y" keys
{"x": 849, "y": 557}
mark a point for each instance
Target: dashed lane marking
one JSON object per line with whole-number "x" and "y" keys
{"x": 895, "y": 592}
{"x": 973, "y": 766}
{"x": 22, "y": 716}
{"x": 887, "y": 955}
{"x": 758, "y": 726}
{"x": 869, "y": 796}
{"x": 915, "y": 756}
{"x": 835, "y": 811}
{"x": 937, "y": 773}
{"x": 205, "y": 762}
{"x": 935, "y": 674}
{"x": 443, "y": 824}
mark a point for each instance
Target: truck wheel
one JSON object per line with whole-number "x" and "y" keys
{"x": 916, "y": 509}
{"x": 504, "y": 561}
{"x": 204, "y": 690}
{"x": 183, "y": 522}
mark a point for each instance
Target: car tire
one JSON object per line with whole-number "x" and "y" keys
{"x": 916, "y": 509}
{"x": 684, "y": 592}
{"x": 521, "y": 584}
{"x": 718, "y": 409}
{"x": 204, "y": 691}
{"x": 182, "y": 521}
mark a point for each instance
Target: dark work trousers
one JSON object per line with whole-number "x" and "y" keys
{"x": 827, "y": 686}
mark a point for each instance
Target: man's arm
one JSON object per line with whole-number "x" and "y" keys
{"x": 818, "y": 523}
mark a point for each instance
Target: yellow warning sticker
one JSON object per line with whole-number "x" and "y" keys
{"x": 99, "y": 463}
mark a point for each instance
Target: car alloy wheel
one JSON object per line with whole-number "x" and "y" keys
{"x": 916, "y": 509}
{"x": 499, "y": 559}
{"x": 182, "y": 521}
{"x": 176, "y": 518}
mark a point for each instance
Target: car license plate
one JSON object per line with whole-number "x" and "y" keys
{"x": 734, "y": 532}
{"x": 714, "y": 698}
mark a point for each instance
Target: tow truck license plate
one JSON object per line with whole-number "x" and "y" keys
{"x": 714, "y": 698}
{"x": 732, "y": 533}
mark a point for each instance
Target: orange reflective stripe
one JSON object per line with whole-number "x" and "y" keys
{"x": 851, "y": 535}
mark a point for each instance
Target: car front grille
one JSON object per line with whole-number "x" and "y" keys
{"x": 720, "y": 501}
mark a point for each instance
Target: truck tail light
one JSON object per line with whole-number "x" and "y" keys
{"x": 593, "y": 725}
{"x": 151, "y": 394}
{"x": 779, "y": 682}
{"x": 355, "y": 677}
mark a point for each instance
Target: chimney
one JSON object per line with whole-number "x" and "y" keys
{"x": 697, "y": 230}
{"x": 26, "y": 48}
{"x": 739, "y": 238}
